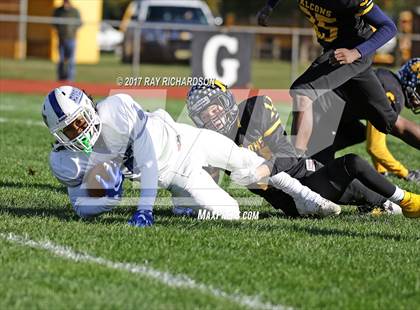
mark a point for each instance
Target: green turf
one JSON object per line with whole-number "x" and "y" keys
{"x": 265, "y": 74}
{"x": 351, "y": 262}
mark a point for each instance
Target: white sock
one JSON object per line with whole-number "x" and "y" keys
{"x": 292, "y": 186}
{"x": 397, "y": 196}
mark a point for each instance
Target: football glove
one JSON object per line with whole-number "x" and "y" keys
{"x": 113, "y": 186}
{"x": 142, "y": 218}
{"x": 413, "y": 176}
{"x": 263, "y": 15}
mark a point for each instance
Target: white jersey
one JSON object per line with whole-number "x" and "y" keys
{"x": 124, "y": 123}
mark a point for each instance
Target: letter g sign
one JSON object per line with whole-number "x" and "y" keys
{"x": 230, "y": 66}
{"x": 223, "y": 56}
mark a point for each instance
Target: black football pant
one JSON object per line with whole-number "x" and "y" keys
{"x": 345, "y": 180}
{"x": 348, "y": 134}
{"x": 363, "y": 90}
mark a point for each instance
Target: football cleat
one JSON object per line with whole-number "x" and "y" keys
{"x": 413, "y": 176}
{"x": 410, "y": 205}
{"x": 327, "y": 208}
{"x": 388, "y": 207}
{"x": 317, "y": 207}
{"x": 391, "y": 208}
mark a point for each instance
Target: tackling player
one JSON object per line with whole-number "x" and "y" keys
{"x": 343, "y": 28}
{"x": 402, "y": 89}
{"x": 163, "y": 152}
{"x": 255, "y": 124}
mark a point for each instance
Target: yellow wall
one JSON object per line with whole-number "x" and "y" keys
{"x": 42, "y": 39}
{"x": 9, "y": 43}
{"x": 87, "y": 50}
{"x": 39, "y": 35}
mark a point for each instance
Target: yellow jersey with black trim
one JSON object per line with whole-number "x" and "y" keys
{"x": 338, "y": 23}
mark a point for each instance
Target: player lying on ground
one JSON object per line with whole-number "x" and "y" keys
{"x": 402, "y": 89}
{"x": 343, "y": 28}
{"x": 163, "y": 152}
{"x": 255, "y": 124}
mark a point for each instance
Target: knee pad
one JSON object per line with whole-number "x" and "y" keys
{"x": 354, "y": 164}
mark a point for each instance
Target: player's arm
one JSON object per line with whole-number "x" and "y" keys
{"x": 86, "y": 206}
{"x": 385, "y": 28}
{"x": 79, "y": 20}
{"x": 146, "y": 164}
{"x": 375, "y": 17}
{"x": 69, "y": 168}
{"x": 378, "y": 150}
{"x": 56, "y": 15}
{"x": 267, "y": 124}
{"x": 265, "y": 12}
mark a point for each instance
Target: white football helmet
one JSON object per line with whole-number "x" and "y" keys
{"x": 62, "y": 107}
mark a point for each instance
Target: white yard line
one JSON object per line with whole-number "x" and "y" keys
{"x": 171, "y": 280}
{"x": 28, "y": 122}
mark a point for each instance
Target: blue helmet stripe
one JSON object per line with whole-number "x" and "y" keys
{"x": 54, "y": 103}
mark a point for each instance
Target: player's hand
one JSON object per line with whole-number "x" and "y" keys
{"x": 113, "y": 186}
{"x": 263, "y": 15}
{"x": 413, "y": 176}
{"x": 345, "y": 56}
{"x": 142, "y": 218}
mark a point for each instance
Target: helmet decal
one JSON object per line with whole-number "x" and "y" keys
{"x": 55, "y": 105}
{"x": 76, "y": 95}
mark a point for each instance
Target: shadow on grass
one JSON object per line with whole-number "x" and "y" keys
{"x": 41, "y": 186}
{"x": 327, "y": 232}
{"x": 293, "y": 225}
{"x": 61, "y": 214}
{"x": 66, "y": 213}
{"x": 164, "y": 217}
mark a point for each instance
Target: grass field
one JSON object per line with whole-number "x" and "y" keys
{"x": 350, "y": 262}
{"x": 265, "y": 74}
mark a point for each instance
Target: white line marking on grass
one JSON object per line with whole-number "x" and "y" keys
{"x": 28, "y": 122}
{"x": 7, "y": 108}
{"x": 177, "y": 281}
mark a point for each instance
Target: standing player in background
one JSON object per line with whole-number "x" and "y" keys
{"x": 66, "y": 68}
{"x": 343, "y": 28}
{"x": 402, "y": 89}
{"x": 163, "y": 152}
{"x": 255, "y": 124}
